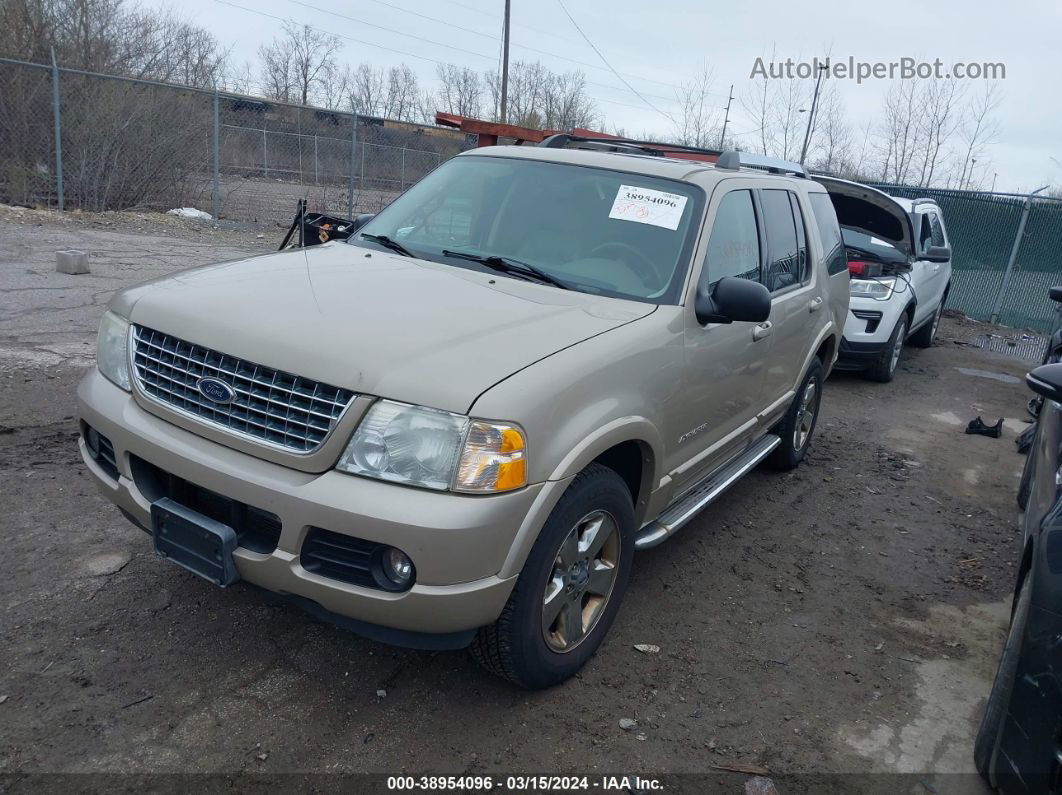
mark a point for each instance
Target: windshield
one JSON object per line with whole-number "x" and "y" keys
{"x": 589, "y": 229}
{"x": 873, "y": 247}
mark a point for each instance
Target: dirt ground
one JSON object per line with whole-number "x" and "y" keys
{"x": 842, "y": 618}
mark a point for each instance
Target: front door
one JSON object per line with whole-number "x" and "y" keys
{"x": 725, "y": 362}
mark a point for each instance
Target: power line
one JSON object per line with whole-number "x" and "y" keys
{"x": 521, "y": 25}
{"x": 606, "y": 63}
{"x": 543, "y": 32}
{"x": 461, "y": 49}
{"x": 393, "y": 49}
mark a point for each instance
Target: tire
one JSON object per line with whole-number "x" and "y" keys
{"x": 798, "y": 425}
{"x": 923, "y": 338}
{"x": 518, "y": 646}
{"x": 991, "y": 728}
{"x": 884, "y": 367}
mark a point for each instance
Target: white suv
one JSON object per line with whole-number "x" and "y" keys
{"x": 899, "y": 258}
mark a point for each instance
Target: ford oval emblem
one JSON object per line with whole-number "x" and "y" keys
{"x": 216, "y": 390}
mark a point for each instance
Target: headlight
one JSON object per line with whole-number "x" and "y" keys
{"x": 880, "y": 289}
{"x": 435, "y": 449}
{"x": 112, "y": 349}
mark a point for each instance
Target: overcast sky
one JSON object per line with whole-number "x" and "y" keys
{"x": 657, "y": 45}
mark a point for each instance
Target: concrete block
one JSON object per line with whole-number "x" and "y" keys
{"x": 72, "y": 262}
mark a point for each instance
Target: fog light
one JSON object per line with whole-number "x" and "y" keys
{"x": 397, "y": 567}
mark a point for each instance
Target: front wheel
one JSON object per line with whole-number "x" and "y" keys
{"x": 798, "y": 425}
{"x": 923, "y": 338}
{"x": 884, "y": 367}
{"x": 570, "y": 588}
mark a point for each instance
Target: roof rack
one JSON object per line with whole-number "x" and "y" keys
{"x": 724, "y": 159}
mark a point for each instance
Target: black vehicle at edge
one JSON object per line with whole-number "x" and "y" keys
{"x": 1019, "y": 744}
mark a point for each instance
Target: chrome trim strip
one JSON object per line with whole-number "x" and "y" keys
{"x": 659, "y": 530}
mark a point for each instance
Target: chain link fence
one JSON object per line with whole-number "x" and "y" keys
{"x": 1005, "y": 253}
{"x": 77, "y": 140}
{"x": 72, "y": 139}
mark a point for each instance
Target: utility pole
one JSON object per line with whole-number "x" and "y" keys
{"x": 505, "y": 65}
{"x": 726, "y": 118}
{"x": 811, "y": 115}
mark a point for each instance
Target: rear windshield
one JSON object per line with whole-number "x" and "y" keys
{"x": 596, "y": 230}
{"x": 871, "y": 247}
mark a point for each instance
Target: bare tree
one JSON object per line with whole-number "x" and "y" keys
{"x": 460, "y": 90}
{"x": 402, "y": 98}
{"x": 775, "y": 106}
{"x": 368, "y": 90}
{"x": 938, "y": 123}
{"x": 699, "y": 121}
{"x": 294, "y": 66}
{"x": 540, "y": 98}
{"x": 977, "y": 131}
{"x": 833, "y": 146}
{"x": 111, "y": 36}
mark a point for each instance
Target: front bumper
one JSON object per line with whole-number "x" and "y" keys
{"x": 459, "y": 544}
{"x": 867, "y": 330}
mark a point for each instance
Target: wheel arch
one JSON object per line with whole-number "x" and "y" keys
{"x": 622, "y": 445}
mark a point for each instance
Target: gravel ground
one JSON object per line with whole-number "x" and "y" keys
{"x": 842, "y": 618}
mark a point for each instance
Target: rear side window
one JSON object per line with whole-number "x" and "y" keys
{"x": 925, "y": 234}
{"x": 734, "y": 246}
{"x": 829, "y": 233}
{"x": 784, "y": 266}
{"x": 937, "y": 230}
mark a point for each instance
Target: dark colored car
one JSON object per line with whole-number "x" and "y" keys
{"x": 1019, "y": 744}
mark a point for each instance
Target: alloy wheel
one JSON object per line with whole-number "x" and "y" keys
{"x": 898, "y": 347}
{"x": 805, "y": 419}
{"x": 581, "y": 581}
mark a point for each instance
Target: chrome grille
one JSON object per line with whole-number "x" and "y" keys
{"x": 282, "y": 409}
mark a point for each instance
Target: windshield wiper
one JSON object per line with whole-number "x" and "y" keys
{"x": 388, "y": 243}
{"x": 511, "y": 266}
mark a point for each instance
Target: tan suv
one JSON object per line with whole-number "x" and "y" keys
{"x": 458, "y": 426}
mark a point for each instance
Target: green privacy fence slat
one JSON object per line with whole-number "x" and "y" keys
{"x": 982, "y": 228}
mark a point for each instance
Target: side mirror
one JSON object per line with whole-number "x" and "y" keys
{"x": 733, "y": 299}
{"x": 937, "y": 254}
{"x": 1056, "y": 294}
{"x": 360, "y": 220}
{"x": 1046, "y": 380}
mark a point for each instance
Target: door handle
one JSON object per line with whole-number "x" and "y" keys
{"x": 815, "y": 305}
{"x": 761, "y": 331}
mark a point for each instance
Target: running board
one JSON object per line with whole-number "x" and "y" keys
{"x": 697, "y": 498}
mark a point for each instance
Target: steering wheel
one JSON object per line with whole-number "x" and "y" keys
{"x": 633, "y": 258}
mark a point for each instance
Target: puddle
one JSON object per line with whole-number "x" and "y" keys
{"x": 1006, "y": 379}
{"x": 1025, "y": 346}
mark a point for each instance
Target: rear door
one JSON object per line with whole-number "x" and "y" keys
{"x": 932, "y": 233}
{"x": 796, "y": 301}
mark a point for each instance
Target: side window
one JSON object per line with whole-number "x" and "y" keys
{"x": 829, "y": 233}
{"x": 802, "y": 242}
{"x": 734, "y": 245}
{"x": 925, "y": 234}
{"x": 783, "y": 250}
{"x": 938, "y": 230}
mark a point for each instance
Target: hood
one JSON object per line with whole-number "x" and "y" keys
{"x": 374, "y": 322}
{"x": 871, "y": 211}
